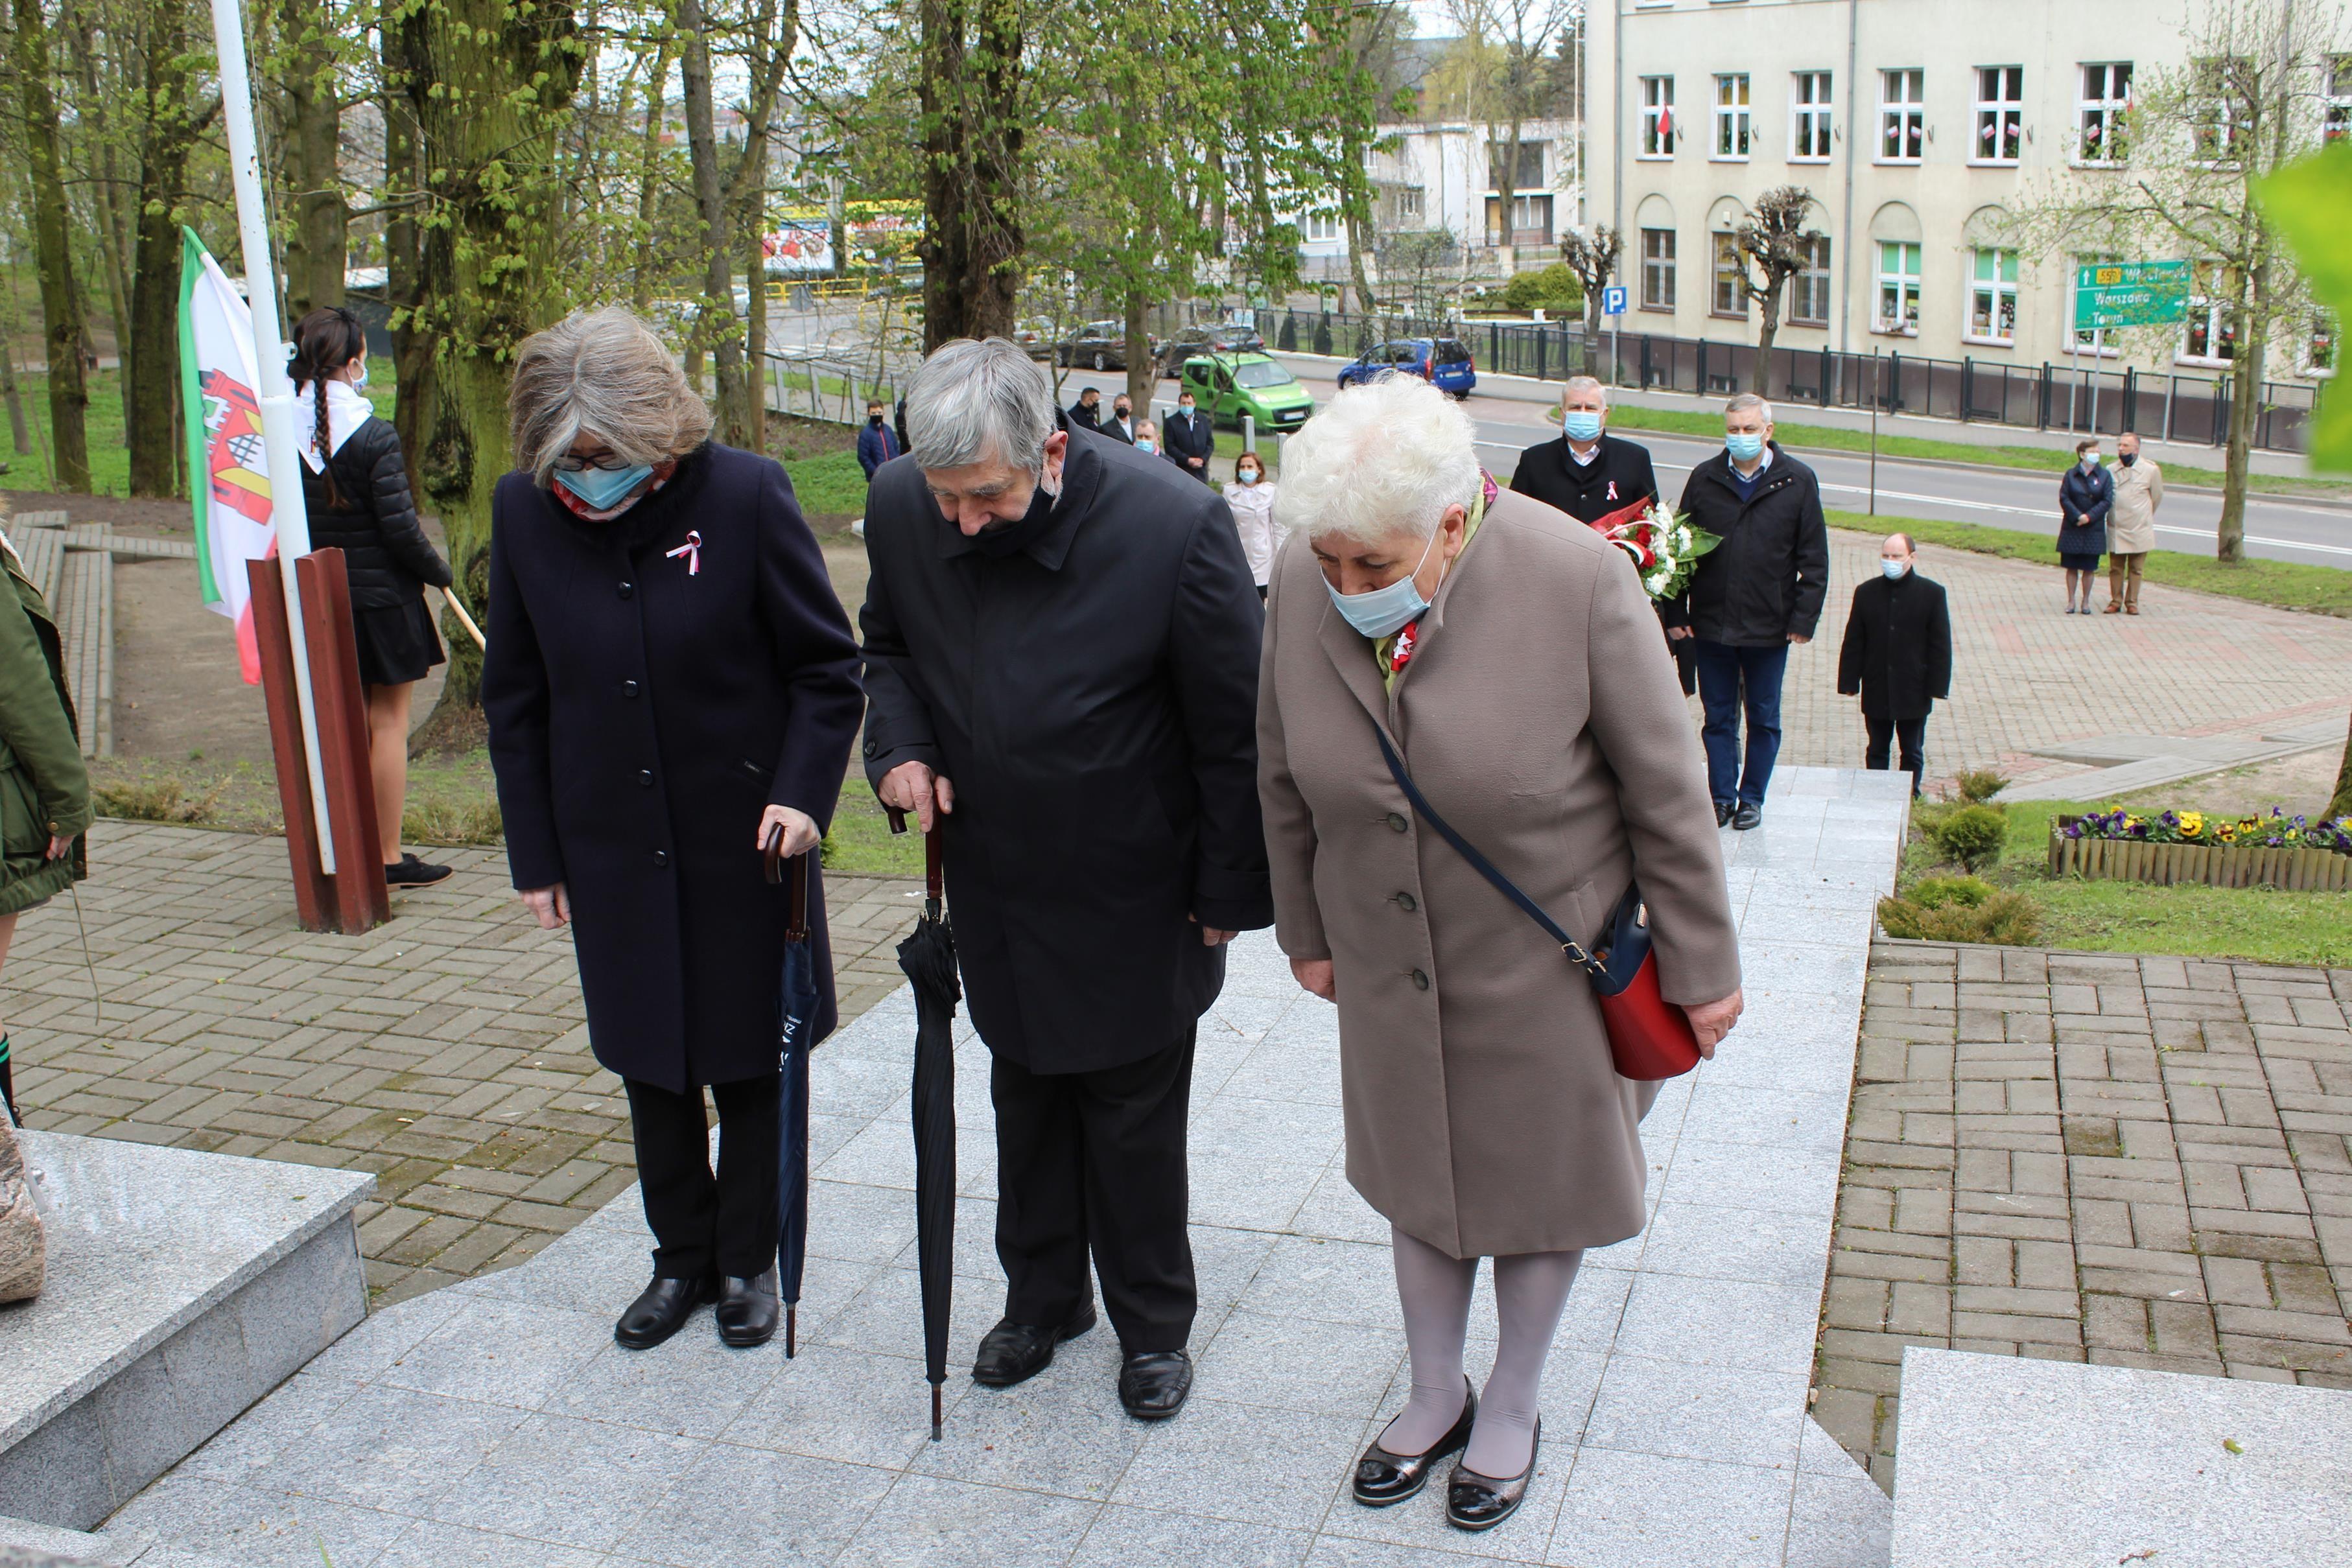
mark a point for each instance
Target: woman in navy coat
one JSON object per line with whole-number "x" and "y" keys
{"x": 670, "y": 676}
{"x": 2085, "y": 498}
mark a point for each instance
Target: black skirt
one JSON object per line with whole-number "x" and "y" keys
{"x": 396, "y": 645}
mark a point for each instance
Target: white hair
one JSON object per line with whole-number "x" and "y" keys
{"x": 1381, "y": 459}
{"x": 1584, "y": 384}
{"x": 603, "y": 375}
{"x": 1749, "y": 400}
{"x": 973, "y": 399}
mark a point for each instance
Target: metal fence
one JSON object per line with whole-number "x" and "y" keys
{"x": 2179, "y": 408}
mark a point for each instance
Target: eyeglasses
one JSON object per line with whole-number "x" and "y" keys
{"x": 608, "y": 464}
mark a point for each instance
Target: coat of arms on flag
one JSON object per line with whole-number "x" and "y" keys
{"x": 231, "y": 496}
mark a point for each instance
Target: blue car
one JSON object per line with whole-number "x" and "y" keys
{"x": 1445, "y": 362}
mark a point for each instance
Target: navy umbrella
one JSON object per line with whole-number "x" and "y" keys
{"x": 929, "y": 958}
{"x": 796, "y": 1021}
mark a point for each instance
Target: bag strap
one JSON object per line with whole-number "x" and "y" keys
{"x": 1484, "y": 867}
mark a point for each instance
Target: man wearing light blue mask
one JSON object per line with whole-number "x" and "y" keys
{"x": 1601, "y": 479}
{"x": 1753, "y": 597}
{"x": 1897, "y": 656}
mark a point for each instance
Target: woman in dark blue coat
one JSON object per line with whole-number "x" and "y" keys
{"x": 670, "y": 676}
{"x": 2084, "y": 495}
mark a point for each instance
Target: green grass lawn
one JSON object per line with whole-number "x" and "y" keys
{"x": 2037, "y": 459}
{"x": 2281, "y": 584}
{"x": 2259, "y": 924}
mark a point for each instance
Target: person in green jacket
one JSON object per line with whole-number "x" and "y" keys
{"x": 44, "y": 789}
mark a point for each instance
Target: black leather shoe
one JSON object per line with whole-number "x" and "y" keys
{"x": 661, "y": 1310}
{"x": 748, "y": 1311}
{"x": 1722, "y": 813}
{"x": 1153, "y": 1383}
{"x": 1384, "y": 1479}
{"x": 1748, "y": 817}
{"x": 1475, "y": 1502}
{"x": 1014, "y": 1353}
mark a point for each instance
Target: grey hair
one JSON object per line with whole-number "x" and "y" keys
{"x": 1747, "y": 401}
{"x": 977, "y": 399}
{"x": 1583, "y": 383}
{"x": 605, "y": 374}
{"x": 1383, "y": 458}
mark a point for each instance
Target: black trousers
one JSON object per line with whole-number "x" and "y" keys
{"x": 1911, "y": 732}
{"x": 1094, "y": 1162}
{"x": 703, "y": 1223}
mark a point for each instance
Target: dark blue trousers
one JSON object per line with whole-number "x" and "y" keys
{"x": 1729, "y": 680}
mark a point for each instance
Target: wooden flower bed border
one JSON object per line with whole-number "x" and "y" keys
{"x": 2212, "y": 865}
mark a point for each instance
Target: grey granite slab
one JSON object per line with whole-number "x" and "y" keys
{"x": 2005, "y": 1463}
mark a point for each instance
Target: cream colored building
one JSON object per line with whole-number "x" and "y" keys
{"x": 1916, "y": 125}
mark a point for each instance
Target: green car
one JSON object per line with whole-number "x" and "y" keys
{"x": 1232, "y": 385}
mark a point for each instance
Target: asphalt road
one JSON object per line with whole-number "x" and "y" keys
{"x": 2277, "y": 529}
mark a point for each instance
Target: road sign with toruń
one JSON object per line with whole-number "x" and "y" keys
{"x": 2131, "y": 293}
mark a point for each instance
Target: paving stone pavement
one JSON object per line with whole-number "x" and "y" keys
{"x": 494, "y": 1422}
{"x": 2026, "y": 675}
{"x": 444, "y": 1051}
{"x": 2142, "y": 1162}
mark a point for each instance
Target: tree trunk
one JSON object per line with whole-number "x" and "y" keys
{"x": 970, "y": 95}
{"x": 319, "y": 243}
{"x": 412, "y": 350}
{"x": 114, "y": 238}
{"x": 169, "y": 134}
{"x": 1142, "y": 376}
{"x": 641, "y": 287}
{"x": 2245, "y": 406}
{"x": 20, "y": 436}
{"x": 715, "y": 328}
{"x": 1768, "y": 328}
{"x": 61, "y": 319}
{"x": 488, "y": 115}
{"x": 751, "y": 223}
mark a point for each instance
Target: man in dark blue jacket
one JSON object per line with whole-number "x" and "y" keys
{"x": 1753, "y": 596}
{"x": 876, "y": 442}
{"x": 1191, "y": 438}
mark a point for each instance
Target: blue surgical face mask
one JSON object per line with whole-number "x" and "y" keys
{"x": 1147, "y": 444}
{"x": 1385, "y": 611}
{"x": 603, "y": 488}
{"x": 1745, "y": 448}
{"x": 1581, "y": 426}
{"x": 1248, "y": 475}
{"x": 1892, "y": 569}
{"x": 360, "y": 380}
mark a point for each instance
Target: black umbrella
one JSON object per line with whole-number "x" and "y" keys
{"x": 929, "y": 958}
{"x": 796, "y": 1021}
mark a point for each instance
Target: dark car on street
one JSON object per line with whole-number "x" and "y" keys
{"x": 1445, "y": 362}
{"x": 1207, "y": 338}
{"x": 1098, "y": 345}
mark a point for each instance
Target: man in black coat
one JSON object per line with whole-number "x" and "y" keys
{"x": 1120, "y": 425}
{"x": 876, "y": 442}
{"x": 1753, "y": 596}
{"x": 1589, "y": 474}
{"x": 1087, "y": 413}
{"x": 1063, "y": 670}
{"x": 1190, "y": 437}
{"x": 1897, "y": 654}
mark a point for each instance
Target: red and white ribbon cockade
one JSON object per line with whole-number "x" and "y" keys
{"x": 692, "y": 551}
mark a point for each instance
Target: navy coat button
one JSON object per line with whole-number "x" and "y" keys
{"x": 661, "y": 857}
{"x": 628, "y": 688}
{"x": 871, "y": 748}
{"x": 1406, "y": 901}
{"x": 628, "y": 590}
{"x": 1396, "y": 821}
{"x": 1420, "y": 982}
{"x": 645, "y": 777}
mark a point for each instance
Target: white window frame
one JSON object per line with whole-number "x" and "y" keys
{"x": 1814, "y": 278}
{"x": 1735, "y": 122}
{"x": 1662, "y": 267}
{"x": 1718, "y": 272}
{"x": 2086, "y": 341}
{"x": 2335, "y": 105}
{"x": 2215, "y": 118}
{"x": 1904, "y": 283}
{"x": 1321, "y": 228}
{"x": 1811, "y": 124}
{"x": 2321, "y": 324}
{"x": 2101, "y": 101}
{"x": 1897, "y": 115}
{"x": 2001, "y": 112}
{"x": 1657, "y": 97}
{"x": 2200, "y": 298}
{"x": 1992, "y": 293}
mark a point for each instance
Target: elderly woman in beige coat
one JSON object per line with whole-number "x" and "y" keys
{"x": 1511, "y": 656}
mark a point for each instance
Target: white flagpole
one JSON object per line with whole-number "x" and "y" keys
{"x": 275, "y": 392}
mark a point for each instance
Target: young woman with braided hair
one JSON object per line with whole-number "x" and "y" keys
{"x": 355, "y": 485}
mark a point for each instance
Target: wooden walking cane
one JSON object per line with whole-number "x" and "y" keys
{"x": 457, "y": 608}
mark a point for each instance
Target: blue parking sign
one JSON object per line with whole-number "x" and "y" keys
{"x": 1612, "y": 300}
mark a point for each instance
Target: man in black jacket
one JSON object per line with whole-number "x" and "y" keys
{"x": 1753, "y": 595}
{"x": 1087, "y": 413}
{"x": 1061, "y": 656}
{"x": 1897, "y": 654}
{"x": 1589, "y": 474}
{"x": 1191, "y": 438}
{"x": 1120, "y": 425}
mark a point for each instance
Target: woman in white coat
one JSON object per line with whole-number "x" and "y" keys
{"x": 1251, "y": 495}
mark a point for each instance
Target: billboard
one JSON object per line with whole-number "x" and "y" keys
{"x": 798, "y": 248}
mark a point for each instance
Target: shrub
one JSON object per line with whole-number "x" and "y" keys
{"x": 1553, "y": 289}
{"x": 156, "y": 800}
{"x": 1286, "y": 340}
{"x": 1979, "y": 785}
{"x": 1961, "y": 909}
{"x": 1972, "y": 836}
{"x": 1323, "y": 334}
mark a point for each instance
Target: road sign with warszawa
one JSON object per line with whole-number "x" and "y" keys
{"x": 2131, "y": 293}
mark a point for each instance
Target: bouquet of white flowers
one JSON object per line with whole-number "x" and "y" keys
{"x": 1663, "y": 545}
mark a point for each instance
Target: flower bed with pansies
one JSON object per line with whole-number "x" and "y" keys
{"x": 2276, "y": 850}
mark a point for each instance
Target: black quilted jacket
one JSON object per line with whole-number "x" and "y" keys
{"x": 384, "y": 550}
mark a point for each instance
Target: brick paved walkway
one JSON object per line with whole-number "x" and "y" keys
{"x": 2026, "y": 675}
{"x": 445, "y": 1052}
{"x": 2134, "y": 1161}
